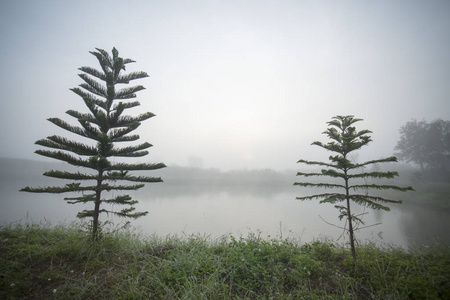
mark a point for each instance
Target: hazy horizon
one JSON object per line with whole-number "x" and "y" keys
{"x": 215, "y": 203}
{"x": 234, "y": 85}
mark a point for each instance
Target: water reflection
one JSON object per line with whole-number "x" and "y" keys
{"x": 279, "y": 214}
{"x": 210, "y": 202}
{"x": 424, "y": 225}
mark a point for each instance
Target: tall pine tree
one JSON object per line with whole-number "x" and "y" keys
{"x": 107, "y": 126}
{"x": 344, "y": 140}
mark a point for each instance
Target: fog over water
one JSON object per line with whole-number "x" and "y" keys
{"x": 214, "y": 203}
{"x": 240, "y": 90}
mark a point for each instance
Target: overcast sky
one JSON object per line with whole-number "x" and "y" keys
{"x": 239, "y": 84}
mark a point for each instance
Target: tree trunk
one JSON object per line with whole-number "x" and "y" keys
{"x": 98, "y": 194}
{"x": 350, "y": 229}
{"x": 349, "y": 218}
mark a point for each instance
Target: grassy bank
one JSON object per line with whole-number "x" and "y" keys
{"x": 43, "y": 262}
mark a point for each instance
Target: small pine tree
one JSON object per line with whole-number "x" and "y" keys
{"x": 345, "y": 139}
{"x": 106, "y": 125}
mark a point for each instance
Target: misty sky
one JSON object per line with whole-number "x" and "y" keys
{"x": 239, "y": 84}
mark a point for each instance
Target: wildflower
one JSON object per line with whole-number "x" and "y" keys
{"x": 12, "y": 284}
{"x": 54, "y": 291}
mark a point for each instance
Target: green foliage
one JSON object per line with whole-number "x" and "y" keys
{"x": 344, "y": 140}
{"x": 62, "y": 262}
{"x": 426, "y": 144}
{"x": 106, "y": 126}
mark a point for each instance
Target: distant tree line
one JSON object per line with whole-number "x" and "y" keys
{"x": 425, "y": 143}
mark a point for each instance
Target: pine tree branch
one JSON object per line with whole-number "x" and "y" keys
{"x": 123, "y": 213}
{"x": 388, "y": 175}
{"x": 93, "y": 72}
{"x": 317, "y": 163}
{"x": 125, "y": 151}
{"x": 115, "y": 134}
{"x": 92, "y": 90}
{"x": 127, "y": 120}
{"x": 59, "y": 155}
{"x": 113, "y": 176}
{"x": 64, "y": 125}
{"x": 327, "y": 196}
{"x": 136, "y": 167}
{"x": 380, "y": 187}
{"x": 371, "y": 201}
{"x": 361, "y": 198}
{"x": 76, "y": 187}
{"x": 319, "y": 185}
{"x": 333, "y": 198}
{"x": 90, "y": 97}
{"x": 69, "y": 175}
{"x": 88, "y": 117}
{"x": 127, "y": 213}
{"x": 118, "y": 66}
{"x": 127, "y": 61}
{"x": 127, "y": 138}
{"x": 90, "y": 131}
{"x": 107, "y": 187}
{"x": 331, "y": 146}
{"x": 89, "y": 213}
{"x": 115, "y": 54}
{"x": 125, "y": 105}
{"x": 70, "y": 187}
{"x": 309, "y": 174}
{"x": 133, "y": 154}
{"x": 61, "y": 143}
{"x": 93, "y": 86}
{"x": 131, "y": 76}
{"x": 333, "y": 173}
{"x": 129, "y": 93}
{"x": 121, "y": 200}
{"x": 83, "y": 199}
{"x": 104, "y": 59}
{"x": 383, "y": 160}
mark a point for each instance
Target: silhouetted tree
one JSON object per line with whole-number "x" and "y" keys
{"x": 106, "y": 125}
{"x": 426, "y": 144}
{"x": 344, "y": 140}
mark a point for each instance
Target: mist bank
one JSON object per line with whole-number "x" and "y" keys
{"x": 210, "y": 201}
{"x": 431, "y": 186}
{"x": 176, "y": 179}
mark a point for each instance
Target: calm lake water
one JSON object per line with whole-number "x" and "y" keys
{"x": 216, "y": 212}
{"x": 238, "y": 214}
{"x": 281, "y": 215}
